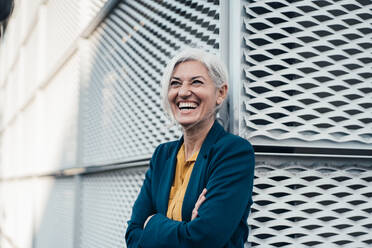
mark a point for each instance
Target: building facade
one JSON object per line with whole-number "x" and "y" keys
{"x": 80, "y": 114}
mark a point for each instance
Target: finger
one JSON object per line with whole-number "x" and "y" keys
{"x": 147, "y": 220}
{"x": 199, "y": 202}
{"x": 202, "y": 193}
{"x": 194, "y": 214}
{"x": 201, "y": 198}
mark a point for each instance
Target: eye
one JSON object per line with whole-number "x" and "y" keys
{"x": 197, "y": 82}
{"x": 174, "y": 83}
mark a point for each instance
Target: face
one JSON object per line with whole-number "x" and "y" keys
{"x": 192, "y": 94}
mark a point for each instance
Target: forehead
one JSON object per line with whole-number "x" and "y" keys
{"x": 190, "y": 68}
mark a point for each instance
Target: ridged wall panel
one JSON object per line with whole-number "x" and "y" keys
{"x": 89, "y": 10}
{"x": 54, "y": 208}
{"x": 307, "y": 77}
{"x": 16, "y": 219}
{"x": 123, "y": 117}
{"x": 32, "y": 56}
{"x": 12, "y": 146}
{"x": 14, "y": 91}
{"x": 105, "y": 207}
{"x": 29, "y": 12}
{"x": 33, "y": 130}
{"x": 2, "y": 66}
{"x": 60, "y": 100}
{"x": 62, "y": 29}
{"x": 12, "y": 41}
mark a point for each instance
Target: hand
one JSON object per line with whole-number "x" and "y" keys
{"x": 147, "y": 220}
{"x": 198, "y": 203}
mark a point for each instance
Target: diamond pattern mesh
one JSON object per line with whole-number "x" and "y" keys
{"x": 54, "y": 203}
{"x": 105, "y": 206}
{"x": 311, "y": 206}
{"x": 121, "y": 92}
{"x": 307, "y": 73}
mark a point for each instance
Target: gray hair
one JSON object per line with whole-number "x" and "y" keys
{"x": 215, "y": 67}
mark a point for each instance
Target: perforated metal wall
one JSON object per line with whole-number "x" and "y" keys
{"x": 105, "y": 206}
{"x": 16, "y": 214}
{"x": 311, "y": 206}
{"x": 54, "y": 208}
{"x": 59, "y": 118}
{"x": 29, "y": 12}
{"x": 307, "y": 77}
{"x": 33, "y": 57}
{"x": 128, "y": 51}
{"x": 89, "y": 10}
{"x": 62, "y": 28}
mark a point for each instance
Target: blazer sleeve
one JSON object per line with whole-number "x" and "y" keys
{"x": 142, "y": 209}
{"x": 229, "y": 195}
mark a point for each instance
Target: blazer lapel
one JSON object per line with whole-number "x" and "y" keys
{"x": 168, "y": 177}
{"x": 196, "y": 184}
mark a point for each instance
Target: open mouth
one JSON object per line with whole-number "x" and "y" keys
{"x": 187, "y": 105}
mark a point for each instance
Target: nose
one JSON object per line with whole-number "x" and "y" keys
{"x": 184, "y": 91}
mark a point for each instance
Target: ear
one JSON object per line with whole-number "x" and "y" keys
{"x": 222, "y": 93}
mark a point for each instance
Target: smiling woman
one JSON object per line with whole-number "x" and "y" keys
{"x": 198, "y": 190}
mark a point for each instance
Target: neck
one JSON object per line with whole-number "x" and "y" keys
{"x": 194, "y": 137}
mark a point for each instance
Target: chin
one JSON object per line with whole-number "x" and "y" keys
{"x": 186, "y": 123}
{"x": 190, "y": 122}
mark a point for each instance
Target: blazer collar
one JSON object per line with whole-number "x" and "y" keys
{"x": 214, "y": 133}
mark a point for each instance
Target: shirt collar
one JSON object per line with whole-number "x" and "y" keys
{"x": 181, "y": 154}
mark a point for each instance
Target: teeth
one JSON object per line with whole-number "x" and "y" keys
{"x": 187, "y": 105}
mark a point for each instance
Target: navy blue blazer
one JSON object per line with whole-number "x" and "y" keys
{"x": 225, "y": 166}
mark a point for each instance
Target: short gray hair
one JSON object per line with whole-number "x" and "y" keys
{"x": 215, "y": 67}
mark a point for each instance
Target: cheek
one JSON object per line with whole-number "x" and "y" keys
{"x": 171, "y": 97}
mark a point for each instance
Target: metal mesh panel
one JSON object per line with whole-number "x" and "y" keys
{"x": 60, "y": 101}
{"x": 90, "y": 8}
{"x": 4, "y": 153}
{"x": 311, "y": 206}
{"x": 128, "y": 51}
{"x": 1, "y": 148}
{"x": 55, "y": 201}
{"x": 9, "y": 215}
{"x": 105, "y": 207}
{"x": 62, "y": 28}
{"x": 32, "y": 56}
{"x": 13, "y": 91}
{"x": 33, "y": 130}
{"x": 15, "y": 218}
{"x": 28, "y": 11}
{"x": 12, "y": 40}
{"x": 2, "y": 66}
{"x": 307, "y": 73}
{"x": 12, "y": 148}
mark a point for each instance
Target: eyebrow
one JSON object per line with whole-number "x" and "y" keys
{"x": 177, "y": 78}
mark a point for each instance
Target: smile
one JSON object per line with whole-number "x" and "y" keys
{"x": 187, "y": 105}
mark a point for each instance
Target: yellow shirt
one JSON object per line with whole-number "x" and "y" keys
{"x": 181, "y": 180}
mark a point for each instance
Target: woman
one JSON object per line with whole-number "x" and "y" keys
{"x": 197, "y": 191}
